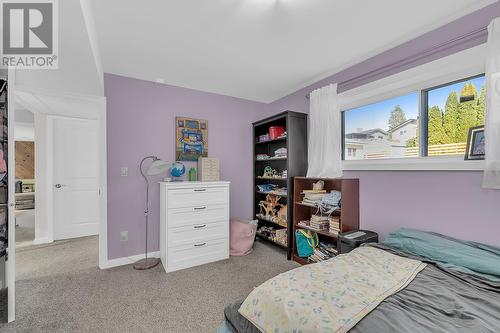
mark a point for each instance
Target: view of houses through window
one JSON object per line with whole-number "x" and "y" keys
{"x": 390, "y": 128}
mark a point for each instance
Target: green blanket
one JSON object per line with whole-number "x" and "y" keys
{"x": 468, "y": 257}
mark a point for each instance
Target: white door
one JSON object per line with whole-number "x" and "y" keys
{"x": 75, "y": 177}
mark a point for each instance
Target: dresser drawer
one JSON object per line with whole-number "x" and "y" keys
{"x": 197, "y": 253}
{"x": 198, "y": 196}
{"x": 189, "y": 216}
{"x": 197, "y": 233}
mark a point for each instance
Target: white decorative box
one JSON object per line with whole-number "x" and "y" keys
{"x": 208, "y": 169}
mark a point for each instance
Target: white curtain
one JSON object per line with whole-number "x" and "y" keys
{"x": 491, "y": 178}
{"x": 325, "y": 128}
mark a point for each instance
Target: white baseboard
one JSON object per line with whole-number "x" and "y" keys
{"x": 42, "y": 240}
{"x": 127, "y": 260}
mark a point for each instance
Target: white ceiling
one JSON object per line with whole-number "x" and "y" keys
{"x": 23, "y": 115}
{"x": 78, "y": 70}
{"x": 259, "y": 50}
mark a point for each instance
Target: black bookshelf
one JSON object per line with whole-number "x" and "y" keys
{"x": 295, "y": 163}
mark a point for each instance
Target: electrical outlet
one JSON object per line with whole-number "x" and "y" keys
{"x": 124, "y": 236}
{"x": 124, "y": 171}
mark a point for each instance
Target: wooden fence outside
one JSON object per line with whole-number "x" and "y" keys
{"x": 433, "y": 150}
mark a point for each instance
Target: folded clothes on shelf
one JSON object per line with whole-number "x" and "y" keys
{"x": 272, "y": 189}
{"x": 281, "y": 152}
{"x": 261, "y": 157}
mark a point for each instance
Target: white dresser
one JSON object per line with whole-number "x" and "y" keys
{"x": 194, "y": 223}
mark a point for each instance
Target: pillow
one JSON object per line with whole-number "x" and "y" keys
{"x": 468, "y": 257}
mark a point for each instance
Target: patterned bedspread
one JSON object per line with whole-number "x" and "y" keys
{"x": 331, "y": 296}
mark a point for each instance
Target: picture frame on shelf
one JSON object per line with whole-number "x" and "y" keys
{"x": 475, "y": 149}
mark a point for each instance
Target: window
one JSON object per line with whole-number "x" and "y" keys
{"x": 451, "y": 110}
{"x": 392, "y": 128}
{"x": 351, "y": 152}
{"x": 377, "y": 130}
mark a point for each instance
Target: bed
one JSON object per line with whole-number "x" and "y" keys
{"x": 412, "y": 282}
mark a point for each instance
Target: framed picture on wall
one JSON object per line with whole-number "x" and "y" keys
{"x": 475, "y": 144}
{"x": 191, "y": 141}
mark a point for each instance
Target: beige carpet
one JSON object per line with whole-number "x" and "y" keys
{"x": 61, "y": 289}
{"x": 24, "y": 236}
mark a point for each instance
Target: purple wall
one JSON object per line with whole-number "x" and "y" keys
{"x": 451, "y": 203}
{"x": 448, "y": 202}
{"x": 140, "y": 121}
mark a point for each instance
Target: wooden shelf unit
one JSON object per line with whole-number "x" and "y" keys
{"x": 349, "y": 210}
{"x": 295, "y": 163}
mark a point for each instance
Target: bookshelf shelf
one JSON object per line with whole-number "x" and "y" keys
{"x": 267, "y": 239}
{"x": 348, "y": 213}
{"x": 295, "y": 163}
{"x": 278, "y": 195}
{"x": 281, "y": 139}
{"x": 321, "y": 232}
{"x": 271, "y": 159}
{"x": 263, "y": 219}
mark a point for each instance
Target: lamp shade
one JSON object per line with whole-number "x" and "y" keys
{"x": 157, "y": 167}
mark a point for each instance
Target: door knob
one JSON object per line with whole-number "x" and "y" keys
{"x": 59, "y": 185}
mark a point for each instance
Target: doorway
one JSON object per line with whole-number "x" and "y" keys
{"x": 66, "y": 189}
{"x": 69, "y": 184}
{"x": 24, "y": 136}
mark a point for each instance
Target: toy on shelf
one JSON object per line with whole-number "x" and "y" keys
{"x": 281, "y": 215}
{"x": 318, "y": 186}
{"x": 273, "y": 173}
{"x": 270, "y": 172}
{"x": 275, "y": 235}
{"x": 272, "y": 210}
{"x": 263, "y": 138}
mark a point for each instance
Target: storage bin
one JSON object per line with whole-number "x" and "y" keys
{"x": 353, "y": 239}
{"x": 275, "y": 132}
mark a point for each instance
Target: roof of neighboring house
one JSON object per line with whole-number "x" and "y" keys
{"x": 370, "y": 131}
{"x": 403, "y": 124}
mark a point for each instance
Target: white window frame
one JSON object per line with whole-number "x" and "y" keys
{"x": 468, "y": 63}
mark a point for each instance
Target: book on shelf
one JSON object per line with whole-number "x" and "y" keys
{"x": 323, "y": 252}
{"x": 313, "y": 196}
{"x": 334, "y": 225}
{"x": 319, "y": 223}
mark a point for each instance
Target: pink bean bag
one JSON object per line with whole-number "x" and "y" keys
{"x": 242, "y": 237}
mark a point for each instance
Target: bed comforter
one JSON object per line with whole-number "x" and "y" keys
{"x": 437, "y": 300}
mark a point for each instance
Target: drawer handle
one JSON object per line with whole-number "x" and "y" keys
{"x": 200, "y": 226}
{"x": 200, "y": 244}
{"x": 200, "y": 189}
{"x": 200, "y": 208}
